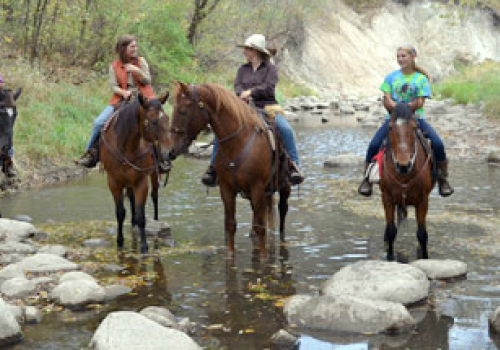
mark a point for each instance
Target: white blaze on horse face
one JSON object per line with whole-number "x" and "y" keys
{"x": 10, "y": 111}
{"x": 400, "y": 122}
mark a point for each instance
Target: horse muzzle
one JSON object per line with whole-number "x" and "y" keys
{"x": 403, "y": 169}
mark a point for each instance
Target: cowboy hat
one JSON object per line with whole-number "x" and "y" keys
{"x": 256, "y": 42}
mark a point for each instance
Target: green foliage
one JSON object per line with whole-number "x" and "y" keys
{"x": 474, "y": 84}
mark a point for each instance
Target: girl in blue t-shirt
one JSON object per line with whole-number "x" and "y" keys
{"x": 410, "y": 84}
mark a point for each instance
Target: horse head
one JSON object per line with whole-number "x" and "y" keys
{"x": 402, "y": 126}
{"x": 8, "y": 114}
{"x": 154, "y": 124}
{"x": 190, "y": 117}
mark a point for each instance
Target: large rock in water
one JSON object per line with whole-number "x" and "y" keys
{"x": 10, "y": 332}
{"x": 441, "y": 269}
{"x": 77, "y": 293}
{"x": 348, "y": 314}
{"x": 379, "y": 280}
{"x": 46, "y": 263}
{"x": 125, "y": 330}
{"x": 10, "y": 271}
{"x": 17, "y": 287}
{"x": 12, "y": 230}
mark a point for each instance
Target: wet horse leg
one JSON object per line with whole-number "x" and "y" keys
{"x": 421, "y": 211}
{"x": 154, "y": 194}
{"x": 141, "y": 193}
{"x": 259, "y": 205}
{"x": 390, "y": 228}
{"x": 130, "y": 195}
{"x": 229, "y": 200}
{"x": 117, "y": 192}
{"x": 283, "y": 209}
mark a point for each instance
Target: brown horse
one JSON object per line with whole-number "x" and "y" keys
{"x": 131, "y": 147}
{"x": 406, "y": 177}
{"x": 244, "y": 159}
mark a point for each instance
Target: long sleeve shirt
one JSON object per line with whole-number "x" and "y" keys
{"x": 262, "y": 83}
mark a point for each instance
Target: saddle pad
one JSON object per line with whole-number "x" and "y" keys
{"x": 272, "y": 139}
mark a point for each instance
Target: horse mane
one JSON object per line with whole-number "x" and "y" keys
{"x": 6, "y": 98}
{"x": 128, "y": 119}
{"x": 403, "y": 111}
{"x": 227, "y": 101}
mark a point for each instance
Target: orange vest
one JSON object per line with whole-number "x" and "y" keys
{"x": 121, "y": 78}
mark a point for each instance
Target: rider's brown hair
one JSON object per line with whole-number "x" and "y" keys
{"x": 121, "y": 46}
{"x": 412, "y": 52}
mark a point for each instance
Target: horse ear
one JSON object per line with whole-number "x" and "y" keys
{"x": 184, "y": 88}
{"x": 17, "y": 94}
{"x": 164, "y": 98}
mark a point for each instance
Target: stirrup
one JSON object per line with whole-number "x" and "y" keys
{"x": 209, "y": 179}
{"x": 366, "y": 188}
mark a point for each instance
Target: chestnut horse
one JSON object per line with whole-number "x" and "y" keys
{"x": 244, "y": 162}
{"x": 406, "y": 177}
{"x": 131, "y": 146}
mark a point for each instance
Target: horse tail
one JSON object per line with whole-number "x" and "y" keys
{"x": 402, "y": 211}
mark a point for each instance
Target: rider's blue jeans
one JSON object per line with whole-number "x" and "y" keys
{"x": 427, "y": 129}
{"x": 99, "y": 123}
{"x": 286, "y": 132}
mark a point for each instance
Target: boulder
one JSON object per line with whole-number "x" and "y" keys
{"x": 12, "y": 230}
{"x": 76, "y": 276}
{"x": 78, "y": 293}
{"x": 344, "y": 160}
{"x": 17, "y": 311}
{"x": 10, "y": 331}
{"x": 12, "y": 258}
{"x": 32, "y": 315}
{"x": 160, "y": 315}
{"x": 17, "y": 247}
{"x": 46, "y": 263}
{"x": 125, "y": 330}
{"x": 379, "y": 280}
{"x": 11, "y": 271}
{"x": 441, "y": 269}
{"x": 348, "y": 314}
{"x": 17, "y": 287}
{"x": 55, "y": 249}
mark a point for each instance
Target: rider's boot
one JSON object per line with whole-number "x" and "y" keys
{"x": 210, "y": 177}
{"x": 9, "y": 167}
{"x": 366, "y": 186}
{"x": 296, "y": 176}
{"x": 445, "y": 188}
{"x": 91, "y": 157}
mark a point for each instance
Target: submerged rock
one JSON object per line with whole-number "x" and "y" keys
{"x": 344, "y": 160}
{"x": 441, "y": 269}
{"x": 379, "y": 280}
{"x": 45, "y": 263}
{"x": 17, "y": 287}
{"x": 348, "y": 314}
{"x": 12, "y": 230}
{"x": 10, "y": 331}
{"x": 160, "y": 315}
{"x": 78, "y": 293}
{"x": 132, "y": 331}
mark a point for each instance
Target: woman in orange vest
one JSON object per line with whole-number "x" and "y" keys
{"x": 128, "y": 75}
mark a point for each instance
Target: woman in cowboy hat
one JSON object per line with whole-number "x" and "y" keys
{"x": 256, "y": 80}
{"x": 410, "y": 84}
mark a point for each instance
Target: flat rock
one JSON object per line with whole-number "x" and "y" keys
{"x": 348, "y": 314}
{"x": 17, "y": 247}
{"x": 10, "y": 331}
{"x": 160, "y": 315}
{"x": 45, "y": 263}
{"x": 11, "y": 271}
{"x": 13, "y": 230}
{"x": 125, "y": 330}
{"x": 32, "y": 315}
{"x": 54, "y": 249}
{"x": 77, "y": 293}
{"x": 17, "y": 287}
{"x": 344, "y": 160}
{"x": 441, "y": 269}
{"x": 116, "y": 290}
{"x": 23, "y": 218}
{"x": 96, "y": 243}
{"x": 379, "y": 280}
{"x": 76, "y": 276}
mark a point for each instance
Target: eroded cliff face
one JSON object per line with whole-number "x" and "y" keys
{"x": 351, "y": 53}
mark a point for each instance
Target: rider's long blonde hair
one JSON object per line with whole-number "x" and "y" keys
{"x": 413, "y": 53}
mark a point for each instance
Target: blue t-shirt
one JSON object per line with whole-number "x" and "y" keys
{"x": 406, "y": 88}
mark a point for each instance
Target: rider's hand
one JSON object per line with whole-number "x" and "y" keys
{"x": 130, "y": 68}
{"x": 245, "y": 95}
{"x": 126, "y": 94}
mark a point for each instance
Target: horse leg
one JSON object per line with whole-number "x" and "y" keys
{"x": 154, "y": 194}
{"x": 229, "y": 199}
{"x": 421, "y": 211}
{"x": 270, "y": 213}
{"x": 120, "y": 214}
{"x": 141, "y": 193}
{"x": 130, "y": 195}
{"x": 390, "y": 228}
{"x": 283, "y": 209}
{"x": 259, "y": 202}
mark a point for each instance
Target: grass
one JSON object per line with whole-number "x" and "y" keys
{"x": 473, "y": 84}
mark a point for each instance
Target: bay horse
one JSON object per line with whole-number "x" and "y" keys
{"x": 406, "y": 176}
{"x": 244, "y": 162}
{"x": 8, "y": 116}
{"x": 130, "y": 148}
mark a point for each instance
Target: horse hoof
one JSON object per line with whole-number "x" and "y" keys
{"x": 144, "y": 249}
{"x": 390, "y": 257}
{"x": 119, "y": 244}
